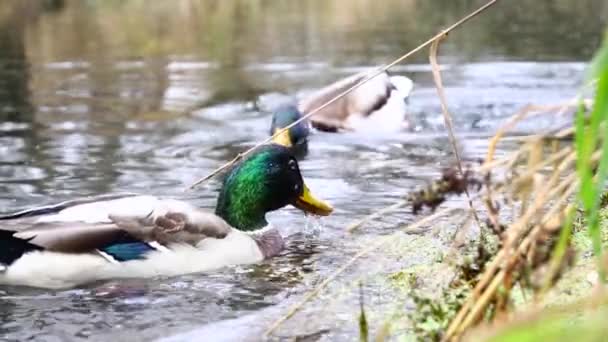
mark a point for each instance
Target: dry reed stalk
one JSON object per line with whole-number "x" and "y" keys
{"x": 488, "y": 293}
{"x": 531, "y": 170}
{"x": 447, "y": 117}
{"x": 353, "y": 226}
{"x": 527, "y": 111}
{"x": 530, "y": 111}
{"x": 510, "y": 160}
{"x": 436, "y": 70}
{"x": 515, "y": 230}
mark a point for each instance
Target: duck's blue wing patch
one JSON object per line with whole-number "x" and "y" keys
{"x": 128, "y": 251}
{"x": 123, "y": 248}
{"x": 127, "y": 248}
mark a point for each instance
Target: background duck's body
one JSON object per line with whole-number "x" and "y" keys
{"x": 125, "y": 236}
{"x": 381, "y": 100}
{"x": 377, "y": 106}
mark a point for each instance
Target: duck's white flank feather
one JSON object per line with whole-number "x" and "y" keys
{"x": 58, "y": 270}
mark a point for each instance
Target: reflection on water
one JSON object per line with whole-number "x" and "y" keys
{"x": 100, "y": 96}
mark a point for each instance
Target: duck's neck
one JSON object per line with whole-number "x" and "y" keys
{"x": 246, "y": 196}
{"x": 241, "y": 208}
{"x": 241, "y": 219}
{"x": 270, "y": 242}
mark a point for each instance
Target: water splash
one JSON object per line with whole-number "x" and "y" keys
{"x": 313, "y": 226}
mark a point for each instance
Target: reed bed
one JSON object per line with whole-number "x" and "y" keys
{"x": 547, "y": 178}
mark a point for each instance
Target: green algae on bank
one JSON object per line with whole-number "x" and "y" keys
{"x": 578, "y": 282}
{"x": 436, "y": 298}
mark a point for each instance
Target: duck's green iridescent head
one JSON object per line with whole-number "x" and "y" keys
{"x": 266, "y": 180}
{"x": 296, "y": 138}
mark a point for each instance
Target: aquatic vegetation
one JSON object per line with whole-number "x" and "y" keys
{"x": 451, "y": 182}
{"x": 432, "y": 316}
{"x": 542, "y": 177}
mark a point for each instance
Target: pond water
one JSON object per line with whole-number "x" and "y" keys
{"x": 112, "y": 96}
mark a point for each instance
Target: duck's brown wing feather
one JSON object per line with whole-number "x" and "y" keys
{"x": 175, "y": 227}
{"x": 71, "y": 237}
{"x": 362, "y": 101}
{"x": 82, "y": 237}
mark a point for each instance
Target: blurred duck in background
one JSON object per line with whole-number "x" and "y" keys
{"x": 379, "y": 105}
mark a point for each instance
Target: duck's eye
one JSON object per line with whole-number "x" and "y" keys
{"x": 296, "y": 187}
{"x": 292, "y": 164}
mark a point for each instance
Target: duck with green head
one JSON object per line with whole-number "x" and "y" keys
{"x": 379, "y": 105}
{"x": 127, "y": 235}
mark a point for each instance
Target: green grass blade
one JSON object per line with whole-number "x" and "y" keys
{"x": 600, "y": 61}
{"x": 586, "y": 140}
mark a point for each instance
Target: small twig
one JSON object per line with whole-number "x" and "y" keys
{"x": 353, "y": 226}
{"x": 344, "y": 93}
{"x": 385, "y": 239}
{"x": 363, "y": 324}
{"x": 538, "y": 109}
{"x": 566, "y": 152}
{"x": 513, "y": 120}
{"x": 447, "y": 117}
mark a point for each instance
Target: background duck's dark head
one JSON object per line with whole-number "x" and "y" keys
{"x": 296, "y": 138}
{"x": 266, "y": 180}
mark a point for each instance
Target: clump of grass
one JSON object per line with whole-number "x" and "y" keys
{"x": 538, "y": 180}
{"x": 538, "y": 183}
{"x": 589, "y": 138}
{"x": 551, "y": 324}
{"x": 542, "y": 177}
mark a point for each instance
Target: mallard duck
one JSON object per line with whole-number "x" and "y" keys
{"x": 378, "y": 105}
{"x": 128, "y": 235}
{"x": 296, "y": 137}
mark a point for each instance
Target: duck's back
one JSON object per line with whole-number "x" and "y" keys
{"x": 55, "y": 208}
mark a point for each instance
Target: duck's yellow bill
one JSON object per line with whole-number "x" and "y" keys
{"x": 308, "y": 203}
{"x": 282, "y": 138}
